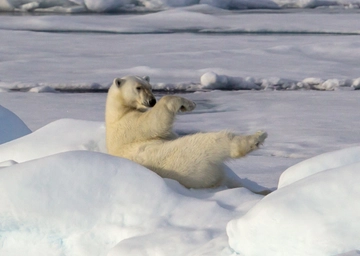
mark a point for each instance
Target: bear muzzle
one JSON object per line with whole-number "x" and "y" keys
{"x": 152, "y": 102}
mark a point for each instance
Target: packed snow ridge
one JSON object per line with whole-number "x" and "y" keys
{"x": 214, "y": 81}
{"x": 78, "y": 6}
{"x": 208, "y": 81}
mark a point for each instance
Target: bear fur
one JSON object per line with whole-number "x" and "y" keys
{"x": 140, "y": 129}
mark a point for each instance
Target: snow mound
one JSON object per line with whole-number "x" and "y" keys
{"x": 89, "y": 203}
{"x": 317, "y": 215}
{"x": 42, "y": 89}
{"x": 52, "y": 88}
{"x": 11, "y": 126}
{"x": 80, "y": 199}
{"x": 242, "y": 4}
{"x": 59, "y": 136}
{"x": 319, "y": 163}
{"x": 213, "y": 81}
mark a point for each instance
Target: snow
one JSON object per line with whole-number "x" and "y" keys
{"x": 89, "y": 203}
{"x": 257, "y": 48}
{"x": 42, "y": 89}
{"x": 85, "y": 203}
{"x": 75, "y": 6}
{"x": 319, "y": 163}
{"x": 59, "y": 136}
{"x": 62, "y": 194}
{"x": 242, "y": 4}
{"x": 316, "y": 215}
{"x": 213, "y": 81}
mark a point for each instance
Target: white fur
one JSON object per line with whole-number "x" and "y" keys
{"x": 144, "y": 135}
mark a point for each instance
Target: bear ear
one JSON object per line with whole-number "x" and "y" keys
{"x": 118, "y": 82}
{"x": 147, "y": 78}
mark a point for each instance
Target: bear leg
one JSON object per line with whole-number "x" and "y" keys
{"x": 196, "y": 160}
{"x": 242, "y": 145}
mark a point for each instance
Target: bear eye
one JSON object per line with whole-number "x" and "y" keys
{"x": 138, "y": 89}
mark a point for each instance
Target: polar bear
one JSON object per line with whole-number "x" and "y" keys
{"x": 140, "y": 129}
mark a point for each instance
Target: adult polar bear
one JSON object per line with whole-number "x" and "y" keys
{"x": 140, "y": 129}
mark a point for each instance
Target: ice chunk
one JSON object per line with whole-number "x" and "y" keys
{"x": 11, "y": 126}
{"x": 317, "y": 215}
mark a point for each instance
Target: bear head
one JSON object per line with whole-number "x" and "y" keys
{"x": 133, "y": 92}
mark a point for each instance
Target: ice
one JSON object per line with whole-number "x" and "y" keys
{"x": 88, "y": 203}
{"x": 208, "y": 81}
{"x": 316, "y": 215}
{"x": 41, "y": 5}
{"x": 59, "y": 136}
{"x": 62, "y": 194}
{"x": 11, "y": 126}
{"x": 350, "y": 253}
{"x": 356, "y": 83}
{"x": 193, "y": 43}
{"x": 311, "y": 213}
{"x": 318, "y": 164}
{"x": 57, "y": 203}
{"x": 211, "y": 80}
{"x": 42, "y": 89}
{"x": 148, "y": 5}
{"x": 242, "y": 4}
{"x": 105, "y": 5}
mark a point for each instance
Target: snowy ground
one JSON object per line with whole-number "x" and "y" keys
{"x": 60, "y": 194}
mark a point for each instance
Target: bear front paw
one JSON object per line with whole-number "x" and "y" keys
{"x": 187, "y": 105}
{"x": 259, "y": 138}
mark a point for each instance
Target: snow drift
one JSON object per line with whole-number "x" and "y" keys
{"x": 60, "y": 136}
{"x": 314, "y": 215}
{"x": 89, "y": 203}
{"x": 84, "y": 203}
{"x": 319, "y": 163}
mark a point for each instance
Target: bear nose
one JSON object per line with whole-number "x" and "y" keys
{"x": 152, "y": 102}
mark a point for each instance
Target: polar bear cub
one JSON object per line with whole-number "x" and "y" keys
{"x": 140, "y": 129}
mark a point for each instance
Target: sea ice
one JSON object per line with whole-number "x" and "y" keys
{"x": 11, "y": 126}
{"x": 317, "y": 215}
